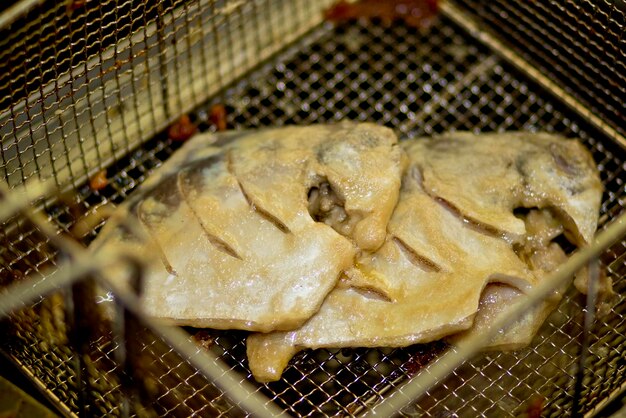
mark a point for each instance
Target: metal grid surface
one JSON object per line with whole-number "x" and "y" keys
{"x": 419, "y": 83}
{"x": 82, "y": 83}
{"x": 579, "y": 44}
{"x": 86, "y": 375}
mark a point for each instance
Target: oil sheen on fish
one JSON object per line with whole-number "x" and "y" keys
{"x": 476, "y": 227}
{"x": 252, "y": 230}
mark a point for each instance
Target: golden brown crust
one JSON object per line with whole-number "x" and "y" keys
{"x": 455, "y": 240}
{"x": 232, "y": 242}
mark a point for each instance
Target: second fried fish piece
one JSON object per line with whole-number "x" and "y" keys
{"x": 473, "y": 231}
{"x": 423, "y": 284}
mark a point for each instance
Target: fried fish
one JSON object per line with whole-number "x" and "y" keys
{"x": 473, "y": 231}
{"x": 252, "y": 231}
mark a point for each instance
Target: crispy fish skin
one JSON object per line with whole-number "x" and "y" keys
{"x": 362, "y": 163}
{"x": 423, "y": 284}
{"x": 227, "y": 222}
{"x": 555, "y": 179}
{"x": 502, "y": 172}
{"x": 448, "y": 263}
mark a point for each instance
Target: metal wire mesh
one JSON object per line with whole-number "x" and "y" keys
{"x": 81, "y": 369}
{"x": 580, "y": 44}
{"x": 84, "y": 83}
{"x": 173, "y": 57}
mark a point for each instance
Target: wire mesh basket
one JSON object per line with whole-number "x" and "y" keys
{"x": 91, "y": 86}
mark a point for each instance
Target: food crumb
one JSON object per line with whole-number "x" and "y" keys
{"x": 204, "y": 339}
{"x": 422, "y": 356}
{"x": 535, "y": 407}
{"x": 182, "y": 129}
{"x": 99, "y": 180}
{"x": 73, "y": 5}
{"x": 217, "y": 116}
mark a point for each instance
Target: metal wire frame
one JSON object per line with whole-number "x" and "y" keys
{"x": 83, "y": 84}
{"x": 82, "y": 265}
{"x": 435, "y": 373}
{"x": 418, "y": 84}
{"x": 568, "y": 96}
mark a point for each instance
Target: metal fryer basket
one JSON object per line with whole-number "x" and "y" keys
{"x": 417, "y": 82}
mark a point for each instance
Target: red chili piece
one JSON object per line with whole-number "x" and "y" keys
{"x": 182, "y": 129}
{"x": 217, "y": 115}
{"x": 415, "y": 13}
{"x": 99, "y": 181}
